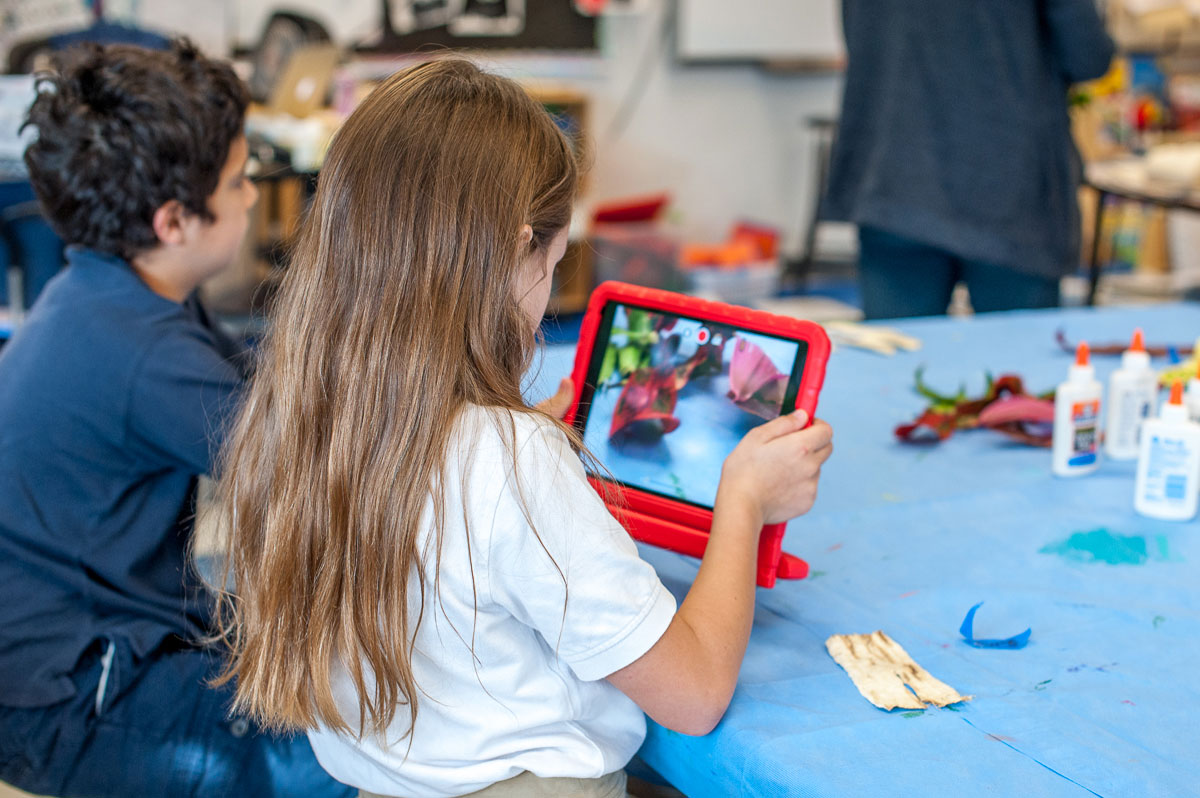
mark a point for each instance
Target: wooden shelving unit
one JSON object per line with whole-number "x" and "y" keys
{"x": 573, "y": 279}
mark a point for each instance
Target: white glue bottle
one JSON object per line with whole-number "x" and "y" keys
{"x": 1076, "y": 420}
{"x": 1132, "y": 395}
{"x": 1192, "y": 399}
{"x": 1168, "y": 472}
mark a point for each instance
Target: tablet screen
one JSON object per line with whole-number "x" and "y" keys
{"x": 667, "y": 397}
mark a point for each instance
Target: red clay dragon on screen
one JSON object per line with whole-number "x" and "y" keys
{"x": 650, "y": 394}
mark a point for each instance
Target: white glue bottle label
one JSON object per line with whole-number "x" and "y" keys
{"x": 1132, "y": 395}
{"x": 1168, "y": 472}
{"x": 1077, "y": 420}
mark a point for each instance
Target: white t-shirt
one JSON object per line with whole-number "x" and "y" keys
{"x": 534, "y": 698}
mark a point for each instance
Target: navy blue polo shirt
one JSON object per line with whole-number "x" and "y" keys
{"x": 111, "y": 401}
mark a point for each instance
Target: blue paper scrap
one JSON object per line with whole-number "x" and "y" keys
{"x": 967, "y": 631}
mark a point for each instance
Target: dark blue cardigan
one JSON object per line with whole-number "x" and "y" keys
{"x": 954, "y": 128}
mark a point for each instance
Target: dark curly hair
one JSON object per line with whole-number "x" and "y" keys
{"x": 122, "y": 130}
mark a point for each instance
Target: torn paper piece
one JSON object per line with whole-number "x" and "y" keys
{"x": 885, "y": 674}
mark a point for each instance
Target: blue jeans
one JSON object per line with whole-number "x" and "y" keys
{"x": 902, "y": 277}
{"x": 153, "y": 728}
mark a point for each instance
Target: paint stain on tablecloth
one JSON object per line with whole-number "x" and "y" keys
{"x": 1103, "y": 546}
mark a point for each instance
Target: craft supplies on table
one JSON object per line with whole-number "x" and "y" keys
{"x": 1178, "y": 369}
{"x": 1076, "y": 448}
{"x": 1191, "y": 397}
{"x": 1132, "y": 397}
{"x": 905, "y": 539}
{"x": 1171, "y": 350}
{"x": 1168, "y": 471}
{"x": 886, "y": 675}
{"x": 1004, "y": 407}
{"x": 967, "y": 630}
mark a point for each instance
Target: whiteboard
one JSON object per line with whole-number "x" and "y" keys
{"x": 759, "y": 30}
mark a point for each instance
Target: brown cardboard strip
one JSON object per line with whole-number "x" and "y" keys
{"x": 884, "y": 673}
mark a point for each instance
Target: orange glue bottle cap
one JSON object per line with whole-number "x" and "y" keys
{"x": 1138, "y": 344}
{"x": 1174, "y": 410}
{"x": 1081, "y": 370}
{"x": 1136, "y": 357}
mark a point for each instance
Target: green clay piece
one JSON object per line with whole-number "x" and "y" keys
{"x": 609, "y": 364}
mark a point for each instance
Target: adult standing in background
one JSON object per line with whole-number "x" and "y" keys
{"x": 954, "y": 153}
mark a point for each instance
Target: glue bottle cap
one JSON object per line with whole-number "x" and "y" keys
{"x": 1081, "y": 370}
{"x": 1136, "y": 357}
{"x": 1173, "y": 411}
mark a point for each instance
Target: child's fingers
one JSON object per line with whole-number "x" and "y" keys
{"x": 809, "y": 451}
{"x": 813, "y": 438}
{"x": 778, "y": 427}
{"x": 821, "y": 433}
{"x": 558, "y": 405}
{"x": 818, "y": 457}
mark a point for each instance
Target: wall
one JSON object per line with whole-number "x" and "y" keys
{"x": 727, "y": 141}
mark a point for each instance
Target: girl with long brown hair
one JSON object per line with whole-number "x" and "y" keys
{"x": 425, "y": 581}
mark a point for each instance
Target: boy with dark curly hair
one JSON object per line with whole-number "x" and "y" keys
{"x": 113, "y": 396}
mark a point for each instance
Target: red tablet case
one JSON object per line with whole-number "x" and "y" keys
{"x": 672, "y": 524}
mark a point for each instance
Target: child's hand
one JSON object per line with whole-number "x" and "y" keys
{"x": 685, "y": 681}
{"x": 773, "y": 472}
{"x": 558, "y": 405}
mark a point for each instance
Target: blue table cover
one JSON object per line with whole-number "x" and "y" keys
{"x": 903, "y": 538}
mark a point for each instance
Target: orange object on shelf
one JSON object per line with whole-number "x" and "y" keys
{"x": 747, "y": 245}
{"x": 766, "y": 239}
{"x": 730, "y": 254}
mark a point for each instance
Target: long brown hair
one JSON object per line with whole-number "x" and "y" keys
{"x": 397, "y": 310}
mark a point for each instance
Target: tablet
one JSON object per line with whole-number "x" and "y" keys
{"x": 666, "y": 387}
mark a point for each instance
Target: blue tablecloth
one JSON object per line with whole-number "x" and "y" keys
{"x": 1104, "y": 699}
